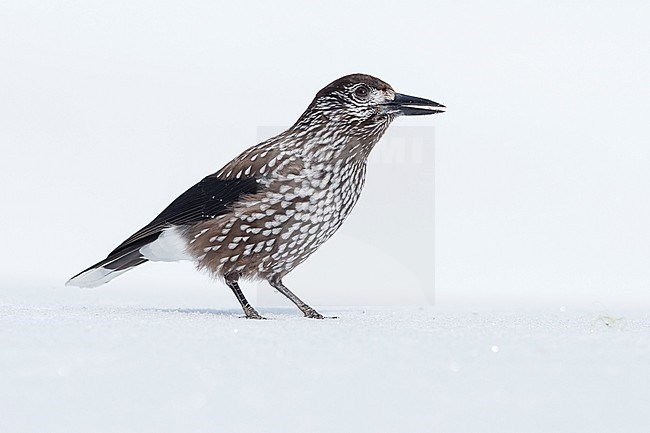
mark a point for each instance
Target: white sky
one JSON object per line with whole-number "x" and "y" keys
{"x": 108, "y": 110}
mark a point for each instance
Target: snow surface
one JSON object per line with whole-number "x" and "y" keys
{"x": 66, "y": 367}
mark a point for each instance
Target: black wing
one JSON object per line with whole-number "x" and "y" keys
{"x": 207, "y": 199}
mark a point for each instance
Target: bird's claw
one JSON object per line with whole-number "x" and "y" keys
{"x": 251, "y": 313}
{"x": 313, "y": 314}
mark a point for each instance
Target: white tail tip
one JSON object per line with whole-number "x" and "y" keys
{"x": 94, "y": 277}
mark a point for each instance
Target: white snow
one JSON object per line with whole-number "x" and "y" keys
{"x": 70, "y": 367}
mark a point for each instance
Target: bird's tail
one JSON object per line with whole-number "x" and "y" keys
{"x": 109, "y": 268}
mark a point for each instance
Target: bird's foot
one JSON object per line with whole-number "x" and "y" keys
{"x": 251, "y": 313}
{"x": 313, "y": 314}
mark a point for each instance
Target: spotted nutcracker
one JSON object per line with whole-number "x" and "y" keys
{"x": 271, "y": 207}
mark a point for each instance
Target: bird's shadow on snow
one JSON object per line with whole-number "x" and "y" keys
{"x": 269, "y": 312}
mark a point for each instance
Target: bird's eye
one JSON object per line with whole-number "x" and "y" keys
{"x": 361, "y": 92}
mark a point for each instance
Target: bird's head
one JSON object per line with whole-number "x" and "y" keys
{"x": 360, "y": 98}
{"x": 353, "y": 113}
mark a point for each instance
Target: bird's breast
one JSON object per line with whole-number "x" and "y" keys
{"x": 271, "y": 232}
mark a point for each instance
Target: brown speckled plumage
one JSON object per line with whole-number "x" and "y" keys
{"x": 272, "y": 206}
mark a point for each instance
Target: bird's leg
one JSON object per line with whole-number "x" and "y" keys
{"x": 306, "y": 309}
{"x": 231, "y": 281}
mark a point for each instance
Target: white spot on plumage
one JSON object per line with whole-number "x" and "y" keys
{"x": 200, "y": 233}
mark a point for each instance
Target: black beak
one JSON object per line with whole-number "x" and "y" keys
{"x": 405, "y": 105}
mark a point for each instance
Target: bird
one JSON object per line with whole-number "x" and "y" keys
{"x": 271, "y": 207}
